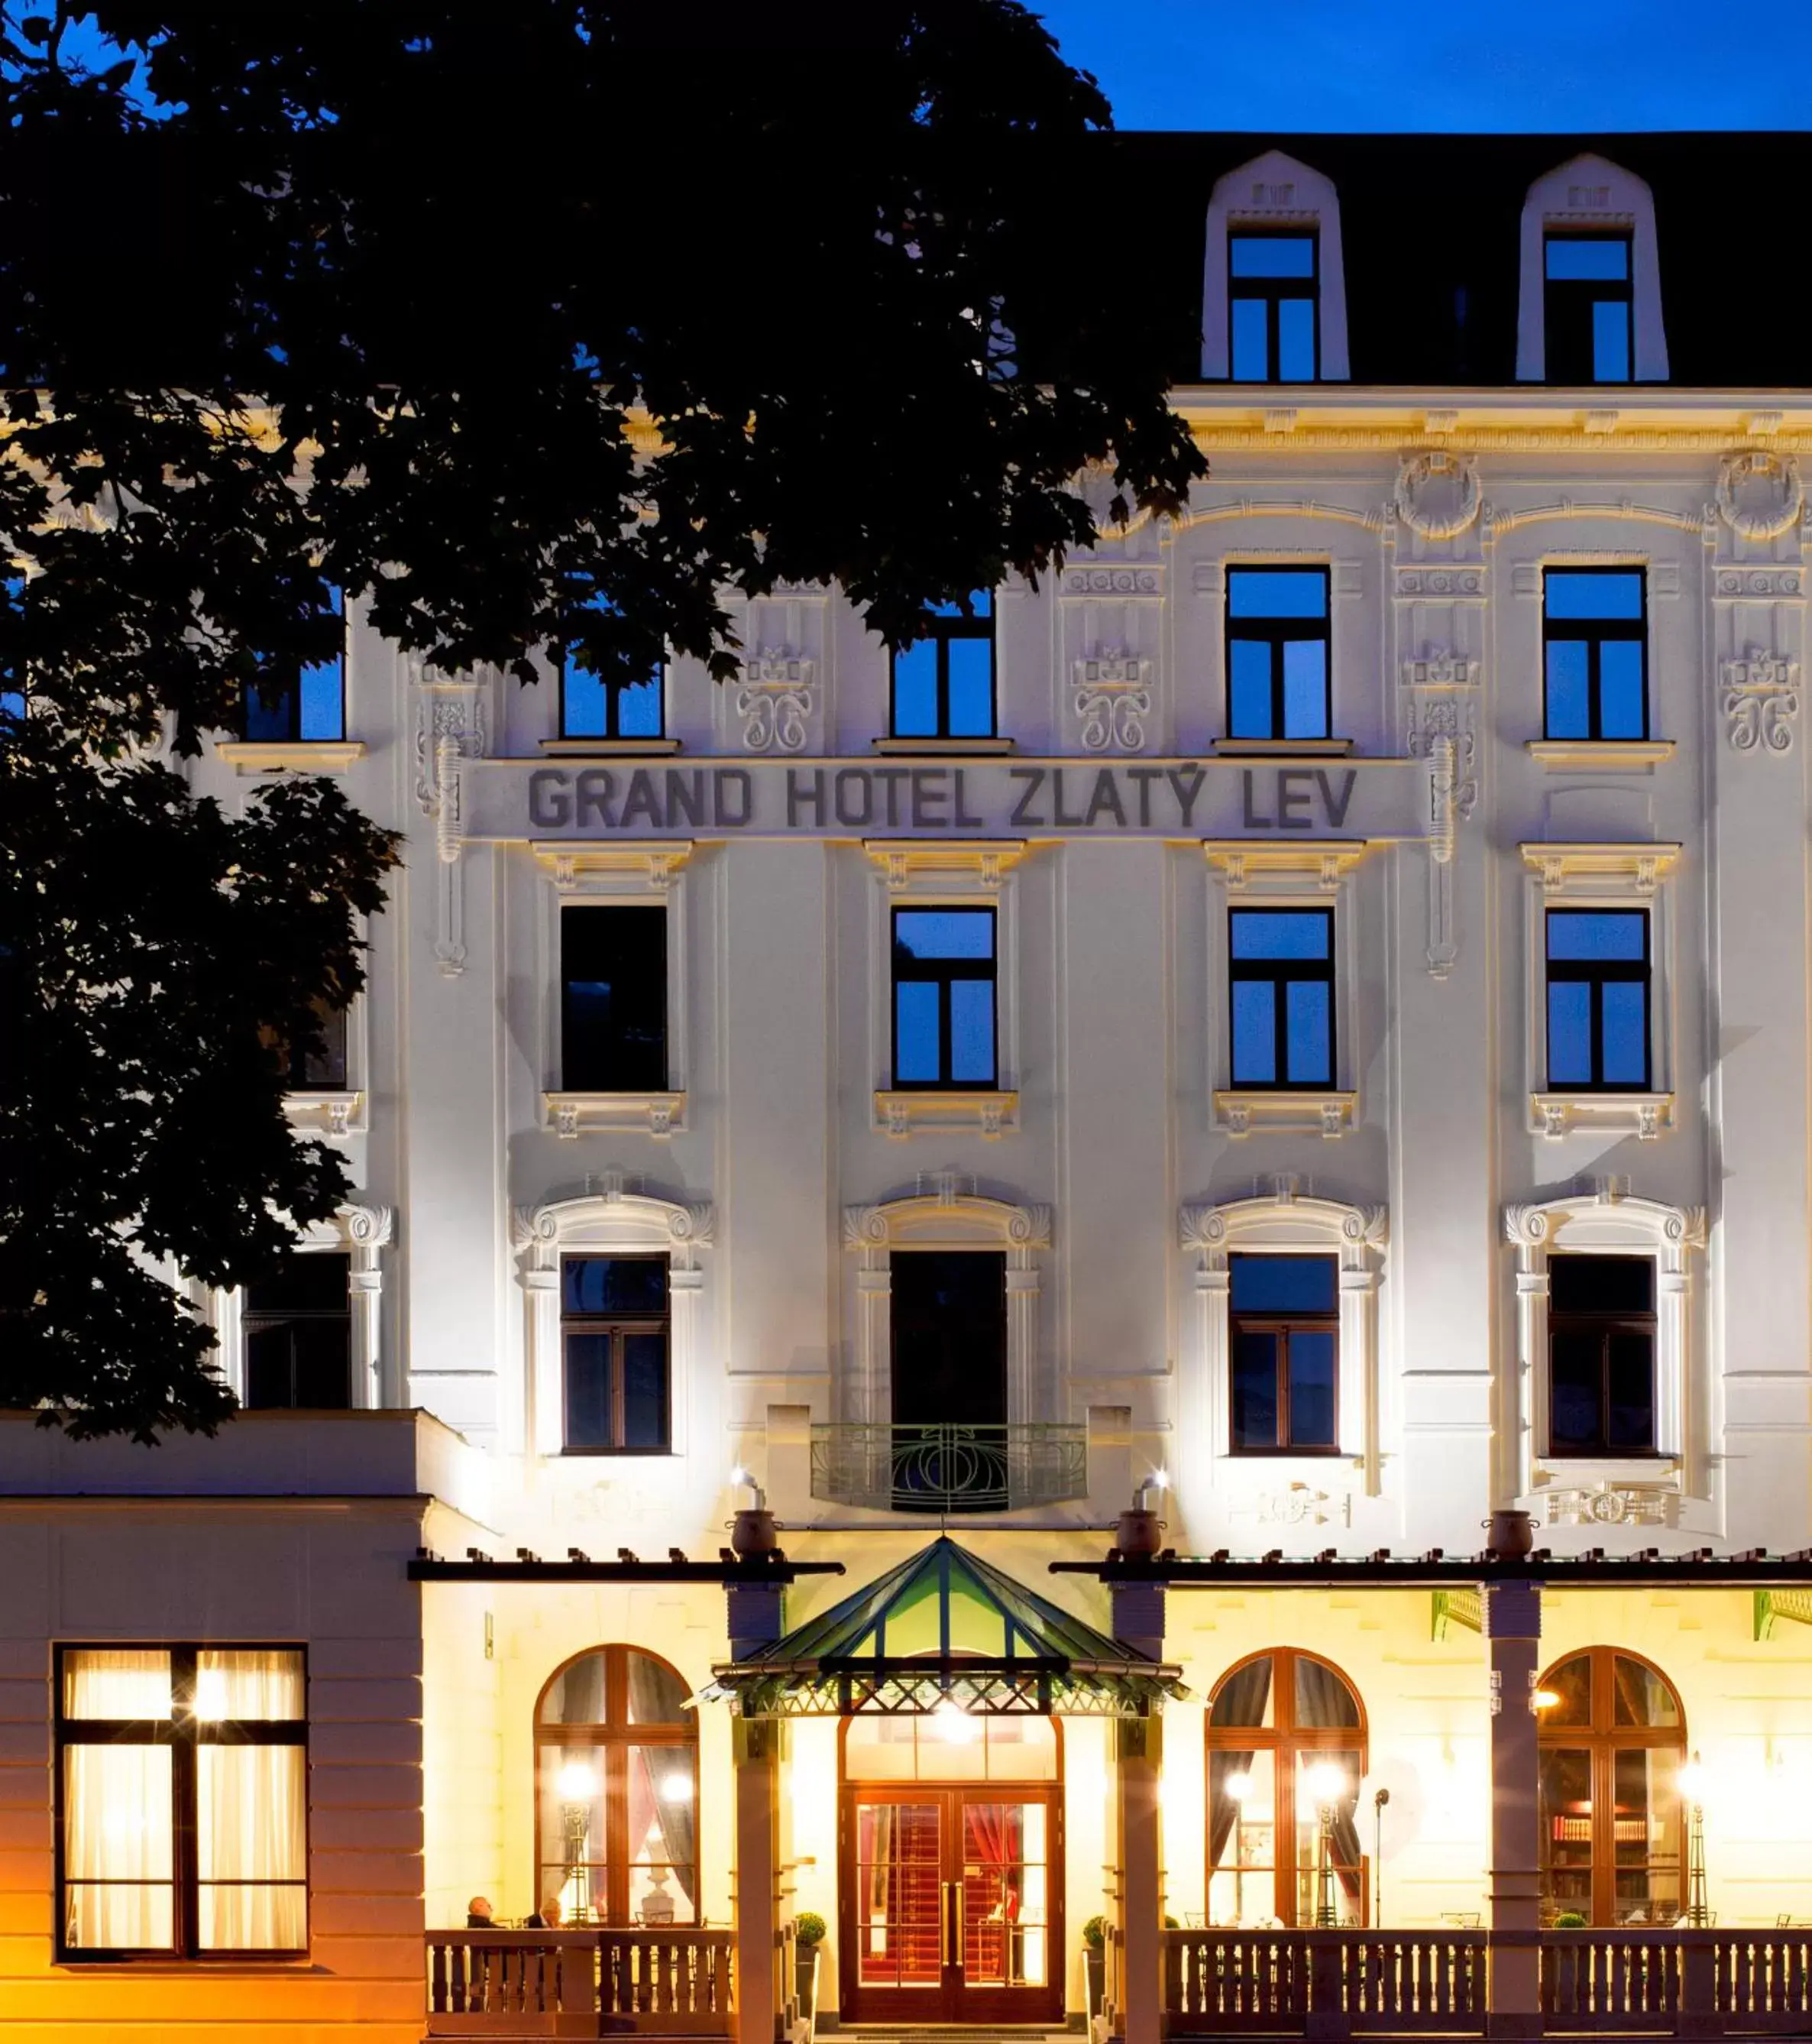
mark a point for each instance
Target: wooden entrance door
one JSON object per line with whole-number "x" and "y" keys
{"x": 952, "y": 1903}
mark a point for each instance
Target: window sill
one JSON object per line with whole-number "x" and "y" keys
{"x": 329, "y": 1114}
{"x": 574, "y": 1114}
{"x": 1285, "y": 1112}
{"x": 1601, "y": 755}
{"x": 930, "y": 1110}
{"x": 934, "y": 746}
{"x": 1281, "y": 748}
{"x": 1643, "y": 1114}
{"x": 301, "y": 756}
{"x": 611, "y": 748}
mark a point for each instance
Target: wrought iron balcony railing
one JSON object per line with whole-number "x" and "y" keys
{"x": 891, "y": 1468}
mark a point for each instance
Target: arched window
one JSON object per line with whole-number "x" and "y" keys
{"x": 1287, "y": 1751}
{"x": 1613, "y": 1740}
{"x": 616, "y": 1790}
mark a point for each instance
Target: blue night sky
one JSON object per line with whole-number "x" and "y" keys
{"x": 1357, "y": 65}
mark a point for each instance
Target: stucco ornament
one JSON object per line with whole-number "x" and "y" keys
{"x": 1760, "y": 495}
{"x": 1438, "y": 494}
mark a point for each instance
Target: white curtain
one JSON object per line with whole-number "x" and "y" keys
{"x": 252, "y": 1828}
{"x": 110, "y": 1682}
{"x": 242, "y": 1683}
{"x": 118, "y": 1847}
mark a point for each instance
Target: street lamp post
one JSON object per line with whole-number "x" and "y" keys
{"x": 1327, "y": 1785}
{"x": 578, "y": 1786}
{"x": 1692, "y": 1788}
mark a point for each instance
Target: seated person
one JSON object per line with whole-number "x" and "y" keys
{"x": 547, "y": 1916}
{"x": 479, "y": 1915}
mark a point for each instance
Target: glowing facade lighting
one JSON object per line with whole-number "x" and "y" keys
{"x": 577, "y": 1784}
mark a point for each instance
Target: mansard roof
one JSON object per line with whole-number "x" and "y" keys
{"x": 1427, "y": 218}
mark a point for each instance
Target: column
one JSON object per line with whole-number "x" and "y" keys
{"x": 1513, "y": 1628}
{"x": 1139, "y": 1755}
{"x": 756, "y": 1747}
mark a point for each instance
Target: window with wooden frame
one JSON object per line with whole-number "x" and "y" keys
{"x": 1611, "y": 1742}
{"x": 1588, "y": 306}
{"x": 944, "y": 971}
{"x": 1286, "y": 1750}
{"x": 1273, "y": 304}
{"x": 1601, "y": 1356}
{"x": 1281, "y": 994}
{"x": 1283, "y": 1340}
{"x": 616, "y": 1327}
{"x": 943, "y": 682}
{"x": 182, "y": 1801}
{"x": 1278, "y": 665}
{"x": 1598, "y": 1000}
{"x": 306, "y": 1070}
{"x": 1595, "y": 653}
{"x": 616, "y": 1791}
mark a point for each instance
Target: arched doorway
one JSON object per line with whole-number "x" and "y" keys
{"x": 950, "y": 1873}
{"x": 1287, "y": 1751}
{"x": 1613, "y": 1740}
{"x": 616, "y": 1790}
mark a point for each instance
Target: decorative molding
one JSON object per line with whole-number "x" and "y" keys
{"x": 1214, "y": 436}
{"x": 1240, "y": 1111}
{"x": 310, "y": 755}
{"x": 573, "y": 1114}
{"x": 1320, "y": 862}
{"x": 1761, "y": 700}
{"x": 333, "y": 1115}
{"x": 614, "y": 1202}
{"x": 1437, "y": 494}
{"x": 1767, "y": 511}
{"x": 1614, "y": 1504}
{"x": 1099, "y": 579}
{"x": 1418, "y": 585}
{"x": 1601, "y": 755}
{"x": 1296, "y": 1504}
{"x": 1645, "y": 1115}
{"x": 1565, "y": 868}
{"x": 1113, "y": 699}
{"x": 950, "y": 1215}
{"x": 444, "y": 710}
{"x": 1284, "y": 1224}
{"x": 1757, "y": 585}
{"x": 1607, "y": 1222}
{"x": 977, "y": 864}
{"x": 1439, "y": 669}
{"x": 775, "y": 701}
{"x": 935, "y": 1111}
{"x": 634, "y": 866}
{"x": 1626, "y": 509}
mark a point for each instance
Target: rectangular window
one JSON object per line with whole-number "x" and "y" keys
{"x": 1587, "y": 313}
{"x": 613, "y": 999}
{"x": 1598, "y": 1000}
{"x": 615, "y": 1325}
{"x": 1283, "y": 1338}
{"x": 943, "y": 683}
{"x": 298, "y": 1327}
{"x": 1280, "y": 974}
{"x": 944, "y": 997}
{"x": 1595, "y": 652}
{"x": 291, "y": 705}
{"x": 314, "y": 1071}
{"x": 1273, "y": 293}
{"x": 621, "y": 700}
{"x": 182, "y": 1783}
{"x": 1277, "y": 667}
{"x": 1601, "y": 1355}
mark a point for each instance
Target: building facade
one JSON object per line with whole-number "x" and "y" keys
{"x": 1305, "y": 1008}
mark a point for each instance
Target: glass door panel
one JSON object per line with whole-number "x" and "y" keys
{"x": 1330, "y": 1883}
{"x": 899, "y": 1872}
{"x": 1242, "y": 1820}
{"x": 1006, "y": 1895}
{"x": 1646, "y": 1843}
{"x": 1566, "y": 1819}
{"x": 663, "y": 1852}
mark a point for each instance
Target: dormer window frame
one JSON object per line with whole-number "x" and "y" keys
{"x": 1586, "y": 198}
{"x": 1274, "y": 195}
{"x": 1274, "y": 291}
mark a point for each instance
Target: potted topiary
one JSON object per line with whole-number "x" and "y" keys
{"x": 808, "y": 1929}
{"x": 1569, "y": 1919}
{"x": 1095, "y": 1962}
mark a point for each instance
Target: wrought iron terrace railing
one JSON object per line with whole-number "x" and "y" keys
{"x": 955, "y": 1469}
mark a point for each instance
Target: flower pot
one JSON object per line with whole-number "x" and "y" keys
{"x": 805, "y": 1973}
{"x": 1095, "y": 1977}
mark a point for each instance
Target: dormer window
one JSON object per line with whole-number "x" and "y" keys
{"x": 1587, "y": 308}
{"x": 1272, "y": 289}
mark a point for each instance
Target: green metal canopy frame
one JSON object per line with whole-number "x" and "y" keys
{"x": 945, "y": 1628}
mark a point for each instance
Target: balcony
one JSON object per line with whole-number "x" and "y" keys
{"x": 950, "y": 1469}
